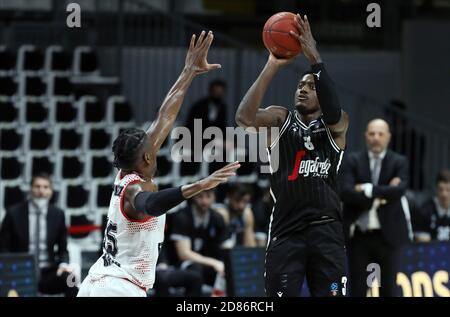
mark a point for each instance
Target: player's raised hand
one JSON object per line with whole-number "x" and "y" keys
{"x": 196, "y": 59}
{"x": 220, "y": 176}
{"x": 306, "y": 39}
{"x": 279, "y": 62}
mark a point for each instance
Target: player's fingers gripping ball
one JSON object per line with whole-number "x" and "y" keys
{"x": 276, "y": 35}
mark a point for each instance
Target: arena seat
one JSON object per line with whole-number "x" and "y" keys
{"x": 68, "y": 139}
{"x": 99, "y": 139}
{"x": 9, "y": 113}
{"x": 39, "y": 139}
{"x": 59, "y": 85}
{"x": 35, "y": 112}
{"x": 76, "y": 196}
{"x": 8, "y": 86}
{"x": 7, "y": 60}
{"x": 64, "y": 111}
{"x": 57, "y": 60}
{"x": 118, "y": 110}
{"x": 100, "y": 166}
{"x": 10, "y": 140}
{"x": 71, "y": 167}
{"x": 12, "y": 194}
{"x": 85, "y": 61}
{"x": 40, "y": 164}
{"x": 29, "y": 58}
{"x": 11, "y": 168}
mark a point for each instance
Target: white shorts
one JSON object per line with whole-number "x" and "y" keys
{"x": 109, "y": 286}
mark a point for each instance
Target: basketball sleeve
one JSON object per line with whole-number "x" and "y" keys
{"x": 326, "y": 93}
{"x": 157, "y": 203}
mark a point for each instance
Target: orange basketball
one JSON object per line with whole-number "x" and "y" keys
{"x": 276, "y": 35}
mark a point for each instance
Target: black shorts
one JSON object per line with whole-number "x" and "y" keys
{"x": 317, "y": 252}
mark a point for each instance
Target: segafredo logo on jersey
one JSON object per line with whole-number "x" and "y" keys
{"x": 313, "y": 168}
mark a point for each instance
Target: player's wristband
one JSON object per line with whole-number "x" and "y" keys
{"x": 158, "y": 203}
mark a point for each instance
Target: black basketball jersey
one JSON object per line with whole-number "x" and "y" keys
{"x": 439, "y": 224}
{"x": 304, "y": 161}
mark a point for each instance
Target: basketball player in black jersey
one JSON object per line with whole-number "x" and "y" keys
{"x": 305, "y": 233}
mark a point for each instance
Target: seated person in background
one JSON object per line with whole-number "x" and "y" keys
{"x": 36, "y": 226}
{"x": 262, "y": 209}
{"x": 432, "y": 221}
{"x": 198, "y": 233}
{"x": 169, "y": 276}
{"x": 239, "y": 217}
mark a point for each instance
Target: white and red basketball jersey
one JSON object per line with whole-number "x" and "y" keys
{"x": 130, "y": 247}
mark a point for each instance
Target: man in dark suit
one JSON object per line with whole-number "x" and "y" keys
{"x": 37, "y": 227}
{"x": 373, "y": 183}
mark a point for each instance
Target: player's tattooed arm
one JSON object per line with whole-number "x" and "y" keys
{"x": 249, "y": 114}
{"x": 195, "y": 63}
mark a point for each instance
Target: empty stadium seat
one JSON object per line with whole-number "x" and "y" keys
{"x": 39, "y": 139}
{"x": 29, "y": 58}
{"x": 10, "y": 140}
{"x": 94, "y": 111}
{"x": 101, "y": 167}
{"x": 59, "y": 85}
{"x": 57, "y": 59}
{"x": 8, "y": 87}
{"x": 119, "y": 110}
{"x": 72, "y": 167}
{"x": 11, "y": 168}
{"x": 65, "y": 111}
{"x": 69, "y": 139}
{"x": 85, "y": 61}
{"x": 36, "y": 112}
{"x": 99, "y": 139}
{"x": 41, "y": 164}
{"x": 103, "y": 195}
{"x": 7, "y": 59}
{"x": 12, "y": 195}
{"x": 77, "y": 221}
{"x": 76, "y": 196}
{"x": 9, "y": 113}
{"x": 32, "y": 85}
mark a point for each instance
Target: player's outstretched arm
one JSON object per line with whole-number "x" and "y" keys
{"x": 249, "y": 113}
{"x": 336, "y": 119}
{"x": 196, "y": 63}
{"x": 145, "y": 200}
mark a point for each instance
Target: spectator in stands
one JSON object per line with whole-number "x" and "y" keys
{"x": 432, "y": 220}
{"x": 38, "y": 227}
{"x": 168, "y": 276}
{"x": 211, "y": 109}
{"x": 198, "y": 233}
{"x": 262, "y": 209}
{"x": 239, "y": 217}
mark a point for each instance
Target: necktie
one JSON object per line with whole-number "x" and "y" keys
{"x": 376, "y": 170}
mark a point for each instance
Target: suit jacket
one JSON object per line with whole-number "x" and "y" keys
{"x": 14, "y": 233}
{"x": 356, "y": 170}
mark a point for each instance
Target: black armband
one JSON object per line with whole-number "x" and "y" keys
{"x": 327, "y": 95}
{"x": 158, "y": 203}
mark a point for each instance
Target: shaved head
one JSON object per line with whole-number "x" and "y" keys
{"x": 378, "y": 135}
{"x": 378, "y": 124}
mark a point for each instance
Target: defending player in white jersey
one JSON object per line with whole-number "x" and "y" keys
{"x": 136, "y": 216}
